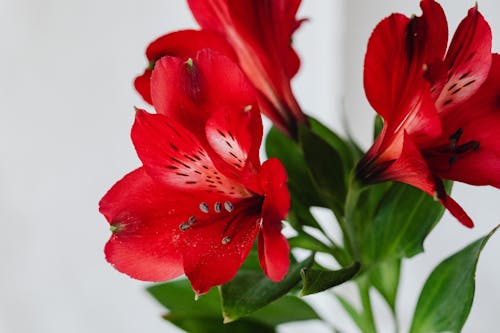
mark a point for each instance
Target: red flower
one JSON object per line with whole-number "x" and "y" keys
{"x": 201, "y": 197}
{"x": 257, "y": 36}
{"x": 183, "y": 44}
{"x": 441, "y": 108}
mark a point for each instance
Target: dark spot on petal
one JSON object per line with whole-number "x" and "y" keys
{"x": 181, "y": 174}
{"x": 468, "y": 83}
{"x": 221, "y": 133}
{"x": 190, "y": 182}
{"x": 174, "y": 147}
{"x": 171, "y": 167}
{"x": 448, "y": 101}
{"x": 464, "y": 75}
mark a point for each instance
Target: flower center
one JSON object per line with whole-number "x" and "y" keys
{"x": 232, "y": 215}
{"x": 453, "y": 150}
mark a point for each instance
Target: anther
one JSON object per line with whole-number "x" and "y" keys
{"x": 247, "y": 108}
{"x": 226, "y": 240}
{"x": 217, "y": 207}
{"x": 192, "y": 219}
{"x": 228, "y": 206}
{"x": 204, "y": 207}
{"x": 185, "y": 226}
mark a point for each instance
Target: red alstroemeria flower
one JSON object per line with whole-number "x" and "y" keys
{"x": 260, "y": 33}
{"x": 254, "y": 34}
{"x": 183, "y": 44}
{"x": 441, "y": 108}
{"x": 202, "y": 197}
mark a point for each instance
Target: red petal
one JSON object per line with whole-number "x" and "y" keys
{"x": 468, "y": 61}
{"x": 142, "y": 84}
{"x": 382, "y": 56}
{"x": 273, "y": 246}
{"x": 211, "y": 259}
{"x": 145, "y": 243}
{"x": 173, "y": 156}
{"x": 236, "y": 135}
{"x": 260, "y": 33}
{"x": 412, "y": 169}
{"x": 399, "y": 51}
{"x": 479, "y": 120}
{"x": 187, "y": 43}
{"x": 189, "y": 92}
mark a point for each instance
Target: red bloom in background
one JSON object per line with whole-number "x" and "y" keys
{"x": 441, "y": 108}
{"x": 257, "y": 36}
{"x": 201, "y": 197}
{"x": 183, "y": 44}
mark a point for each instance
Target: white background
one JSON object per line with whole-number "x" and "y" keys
{"x": 67, "y": 100}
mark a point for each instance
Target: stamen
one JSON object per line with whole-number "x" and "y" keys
{"x": 204, "y": 207}
{"x": 192, "y": 219}
{"x": 226, "y": 240}
{"x": 228, "y": 206}
{"x": 217, "y": 207}
{"x": 185, "y": 226}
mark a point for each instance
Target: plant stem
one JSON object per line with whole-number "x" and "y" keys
{"x": 364, "y": 292}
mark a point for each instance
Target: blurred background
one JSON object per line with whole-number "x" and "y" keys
{"x": 66, "y": 97}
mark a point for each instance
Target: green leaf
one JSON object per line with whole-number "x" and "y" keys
{"x": 200, "y": 324}
{"x": 300, "y": 215}
{"x": 300, "y": 183}
{"x": 178, "y": 297}
{"x": 284, "y": 310}
{"x": 404, "y": 218}
{"x": 251, "y": 290}
{"x": 325, "y": 165}
{"x": 385, "y": 278}
{"x": 317, "y": 280}
{"x": 348, "y": 151}
{"x": 352, "y": 312}
{"x": 205, "y": 314}
{"x": 378, "y": 124}
{"x": 446, "y": 298}
{"x": 308, "y": 242}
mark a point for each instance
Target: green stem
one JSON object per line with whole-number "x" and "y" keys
{"x": 348, "y": 224}
{"x": 369, "y": 319}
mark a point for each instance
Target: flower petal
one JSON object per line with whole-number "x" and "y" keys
{"x": 411, "y": 168}
{"x": 183, "y": 44}
{"x": 185, "y": 90}
{"x": 142, "y": 85}
{"x": 260, "y": 33}
{"x": 273, "y": 247}
{"x": 212, "y": 256}
{"x": 144, "y": 219}
{"x": 468, "y": 61}
{"x": 478, "y": 120}
{"x": 235, "y": 136}
{"x": 174, "y": 157}
{"x": 187, "y": 43}
{"x": 399, "y": 51}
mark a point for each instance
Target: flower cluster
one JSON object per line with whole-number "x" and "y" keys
{"x": 202, "y": 196}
